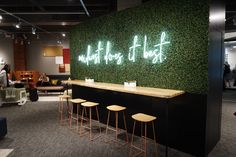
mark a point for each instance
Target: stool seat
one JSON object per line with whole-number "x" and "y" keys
{"x": 89, "y": 104}
{"x": 64, "y": 96}
{"x": 77, "y": 101}
{"x": 143, "y": 117}
{"x": 116, "y": 108}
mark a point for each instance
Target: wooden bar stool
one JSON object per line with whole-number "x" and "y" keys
{"x": 76, "y": 118}
{"x": 116, "y": 109}
{"x": 89, "y": 105}
{"x": 143, "y": 118}
{"x": 61, "y": 109}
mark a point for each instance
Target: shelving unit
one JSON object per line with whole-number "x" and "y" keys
{"x": 28, "y": 77}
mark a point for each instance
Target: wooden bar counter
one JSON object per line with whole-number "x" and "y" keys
{"x": 146, "y": 91}
{"x": 179, "y": 117}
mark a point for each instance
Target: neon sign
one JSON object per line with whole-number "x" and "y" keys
{"x": 101, "y": 53}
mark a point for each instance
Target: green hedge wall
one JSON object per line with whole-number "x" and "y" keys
{"x": 186, "y": 25}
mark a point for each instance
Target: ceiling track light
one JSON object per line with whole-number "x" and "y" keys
{"x": 22, "y": 20}
{"x": 18, "y": 25}
{"x": 24, "y": 36}
{"x": 33, "y": 30}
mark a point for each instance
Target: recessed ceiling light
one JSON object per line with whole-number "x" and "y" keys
{"x": 0, "y": 17}
{"x": 63, "y": 34}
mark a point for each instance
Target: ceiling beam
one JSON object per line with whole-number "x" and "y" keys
{"x": 43, "y": 24}
{"x": 37, "y": 4}
{"x": 55, "y": 5}
{"x": 85, "y": 9}
{"x": 46, "y": 13}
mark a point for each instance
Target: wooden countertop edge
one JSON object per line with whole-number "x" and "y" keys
{"x": 146, "y": 91}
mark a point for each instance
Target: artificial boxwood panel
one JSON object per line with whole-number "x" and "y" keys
{"x": 186, "y": 25}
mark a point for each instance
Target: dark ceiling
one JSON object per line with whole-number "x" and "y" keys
{"x": 50, "y": 15}
{"x": 61, "y": 15}
{"x": 230, "y": 23}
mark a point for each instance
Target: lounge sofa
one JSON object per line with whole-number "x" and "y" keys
{"x": 54, "y": 85}
{"x": 3, "y": 127}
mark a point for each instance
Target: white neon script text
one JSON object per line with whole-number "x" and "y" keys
{"x": 156, "y": 53}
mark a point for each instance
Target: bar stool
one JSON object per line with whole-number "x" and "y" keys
{"x": 77, "y": 102}
{"x": 89, "y": 105}
{"x": 61, "y": 107}
{"x": 143, "y": 118}
{"x": 116, "y": 109}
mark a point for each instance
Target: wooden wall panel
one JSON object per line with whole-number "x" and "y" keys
{"x": 19, "y": 52}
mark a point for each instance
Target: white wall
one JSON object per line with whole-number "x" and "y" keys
{"x": 6, "y": 51}
{"x": 36, "y": 60}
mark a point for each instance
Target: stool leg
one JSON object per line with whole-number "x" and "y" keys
{"x": 59, "y": 110}
{"x": 145, "y": 141}
{"x": 90, "y": 123}
{"x": 108, "y": 119}
{"x": 116, "y": 125}
{"x": 71, "y": 114}
{"x": 154, "y": 136}
{"x": 98, "y": 120}
{"x": 81, "y": 123}
{"x": 62, "y": 111}
{"x": 127, "y": 139}
{"x": 77, "y": 118}
{"x": 142, "y": 137}
{"x": 67, "y": 105}
{"x": 132, "y": 138}
{"x": 86, "y": 115}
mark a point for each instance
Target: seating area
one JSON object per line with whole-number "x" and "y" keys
{"x": 54, "y": 85}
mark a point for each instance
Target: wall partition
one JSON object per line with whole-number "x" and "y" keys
{"x": 159, "y": 44}
{"x": 165, "y": 44}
